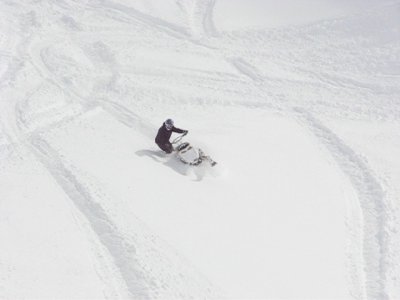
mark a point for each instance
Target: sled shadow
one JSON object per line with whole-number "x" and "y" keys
{"x": 171, "y": 161}
{"x": 154, "y": 155}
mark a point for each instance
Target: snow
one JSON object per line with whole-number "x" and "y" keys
{"x": 260, "y": 14}
{"x": 298, "y": 107}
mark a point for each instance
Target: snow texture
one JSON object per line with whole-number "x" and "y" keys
{"x": 297, "y": 101}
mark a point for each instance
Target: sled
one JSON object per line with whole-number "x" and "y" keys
{"x": 190, "y": 155}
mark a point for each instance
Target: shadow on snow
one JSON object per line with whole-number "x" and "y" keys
{"x": 171, "y": 161}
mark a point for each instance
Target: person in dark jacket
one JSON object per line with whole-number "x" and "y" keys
{"x": 164, "y": 134}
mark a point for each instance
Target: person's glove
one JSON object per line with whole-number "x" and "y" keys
{"x": 185, "y": 132}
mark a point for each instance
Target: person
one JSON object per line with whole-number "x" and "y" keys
{"x": 164, "y": 134}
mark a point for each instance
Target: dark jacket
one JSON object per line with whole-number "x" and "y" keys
{"x": 164, "y": 135}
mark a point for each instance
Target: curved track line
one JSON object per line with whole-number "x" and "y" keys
{"x": 164, "y": 26}
{"x": 118, "y": 111}
{"x": 123, "y": 254}
{"x": 125, "y": 116}
{"x": 208, "y": 19}
{"x": 246, "y": 69}
{"x": 372, "y": 200}
{"x": 202, "y": 18}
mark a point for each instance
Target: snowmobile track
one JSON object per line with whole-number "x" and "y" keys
{"x": 372, "y": 201}
{"x": 122, "y": 253}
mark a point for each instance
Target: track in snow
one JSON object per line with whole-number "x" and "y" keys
{"x": 221, "y": 88}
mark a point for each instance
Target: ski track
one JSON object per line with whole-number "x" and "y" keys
{"x": 136, "y": 276}
{"x": 87, "y": 103}
{"x": 173, "y": 30}
{"x": 373, "y": 203}
{"x": 127, "y": 117}
{"x": 202, "y": 19}
{"x": 370, "y": 192}
{"x": 123, "y": 254}
{"x": 246, "y": 69}
{"x": 208, "y": 19}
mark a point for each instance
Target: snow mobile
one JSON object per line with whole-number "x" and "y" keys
{"x": 190, "y": 155}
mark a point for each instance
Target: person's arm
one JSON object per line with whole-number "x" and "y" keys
{"x": 178, "y": 130}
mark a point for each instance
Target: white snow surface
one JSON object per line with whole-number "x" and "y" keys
{"x": 297, "y": 101}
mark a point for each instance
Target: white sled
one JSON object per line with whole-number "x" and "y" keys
{"x": 190, "y": 155}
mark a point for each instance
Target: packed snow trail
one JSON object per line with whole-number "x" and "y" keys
{"x": 86, "y": 85}
{"x": 122, "y": 253}
{"x": 372, "y": 200}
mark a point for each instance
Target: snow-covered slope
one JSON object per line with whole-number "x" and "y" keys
{"x": 301, "y": 114}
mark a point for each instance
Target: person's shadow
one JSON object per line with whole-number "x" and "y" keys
{"x": 170, "y": 160}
